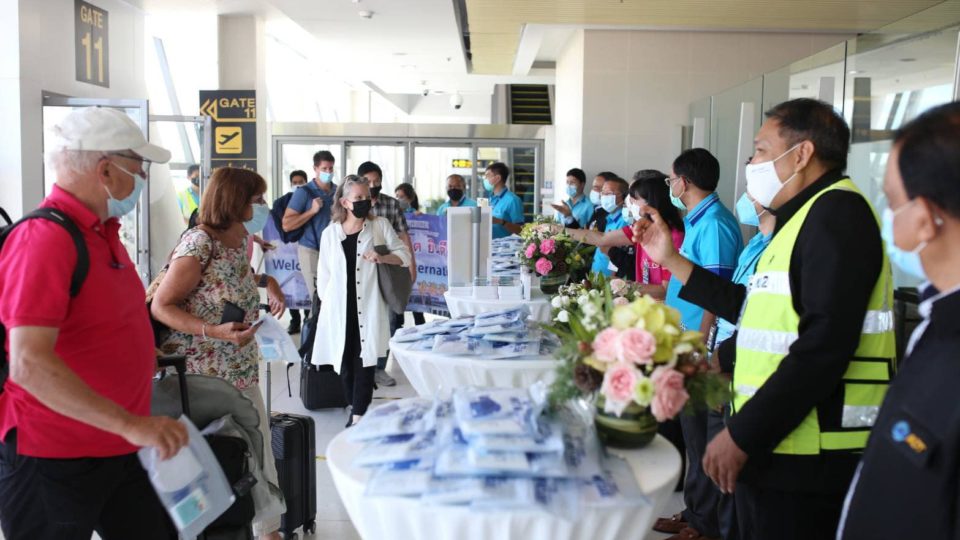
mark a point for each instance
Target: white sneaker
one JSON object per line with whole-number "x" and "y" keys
{"x": 382, "y": 379}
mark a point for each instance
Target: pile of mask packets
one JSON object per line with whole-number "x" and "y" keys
{"x": 503, "y": 257}
{"x": 500, "y": 334}
{"x": 490, "y": 449}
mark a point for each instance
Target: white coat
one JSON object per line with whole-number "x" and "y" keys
{"x": 374, "y": 314}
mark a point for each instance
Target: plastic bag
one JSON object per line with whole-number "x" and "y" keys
{"x": 191, "y": 485}
{"x": 498, "y": 328}
{"x": 404, "y": 416}
{"x": 274, "y": 342}
{"x": 457, "y": 345}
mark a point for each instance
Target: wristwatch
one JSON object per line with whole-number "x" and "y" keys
{"x": 262, "y": 283}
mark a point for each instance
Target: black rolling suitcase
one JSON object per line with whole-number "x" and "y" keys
{"x": 320, "y": 386}
{"x": 293, "y": 438}
{"x": 231, "y": 452}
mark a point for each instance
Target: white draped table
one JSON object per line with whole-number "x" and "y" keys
{"x": 460, "y": 306}
{"x": 429, "y": 371}
{"x": 656, "y": 468}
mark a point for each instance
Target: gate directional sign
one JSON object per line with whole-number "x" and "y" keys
{"x": 233, "y": 115}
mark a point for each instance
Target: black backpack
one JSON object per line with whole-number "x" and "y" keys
{"x": 280, "y": 208}
{"x": 79, "y": 272}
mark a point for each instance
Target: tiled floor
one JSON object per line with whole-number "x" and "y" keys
{"x": 332, "y": 520}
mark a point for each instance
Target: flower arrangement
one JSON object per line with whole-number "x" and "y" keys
{"x": 629, "y": 351}
{"x": 549, "y": 253}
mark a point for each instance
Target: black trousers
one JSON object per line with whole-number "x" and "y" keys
{"x": 726, "y": 505}
{"x": 295, "y": 317}
{"x": 765, "y": 513}
{"x": 67, "y": 499}
{"x": 357, "y": 380}
{"x": 700, "y": 495}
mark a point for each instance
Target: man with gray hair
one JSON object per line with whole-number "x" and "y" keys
{"x": 76, "y": 406}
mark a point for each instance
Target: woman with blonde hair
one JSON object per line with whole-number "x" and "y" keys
{"x": 353, "y": 325}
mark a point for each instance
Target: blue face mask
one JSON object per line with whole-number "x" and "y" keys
{"x": 627, "y": 216}
{"x": 119, "y": 208}
{"x": 487, "y": 185}
{"x": 326, "y": 177}
{"x": 571, "y": 191}
{"x": 608, "y": 203}
{"x": 747, "y": 212}
{"x": 259, "y": 220}
{"x": 907, "y": 261}
{"x": 595, "y": 197}
{"x": 676, "y": 200}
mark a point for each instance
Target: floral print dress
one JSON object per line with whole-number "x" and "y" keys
{"x": 227, "y": 277}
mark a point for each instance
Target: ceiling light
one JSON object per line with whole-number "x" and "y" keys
{"x": 908, "y": 59}
{"x": 355, "y": 1}
{"x": 365, "y": 14}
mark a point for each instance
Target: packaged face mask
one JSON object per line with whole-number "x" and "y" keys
{"x": 398, "y": 449}
{"x": 463, "y": 322}
{"x": 388, "y": 482}
{"x": 434, "y": 329}
{"x": 501, "y": 316}
{"x": 548, "y": 439}
{"x": 532, "y": 336}
{"x": 407, "y": 335}
{"x": 498, "y": 328}
{"x": 191, "y": 485}
{"x": 456, "y": 344}
{"x": 616, "y": 486}
{"x": 503, "y": 411}
{"x": 400, "y": 417}
{"x": 505, "y": 494}
{"x": 515, "y": 350}
{"x": 454, "y": 490}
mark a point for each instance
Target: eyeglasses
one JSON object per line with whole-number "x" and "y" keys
{"x": 670, "y": 180}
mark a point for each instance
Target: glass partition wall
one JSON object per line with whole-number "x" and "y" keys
{"x": 878, "y": 82}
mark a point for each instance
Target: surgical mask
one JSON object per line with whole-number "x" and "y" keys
{"x": 326, "y": 177}
{"x": 404, "y": 204}
{"x": 259, "y": 220}
{"x": 627, "y": 215}
{"x": 571, "y": 191}
{"x": 487, "y": 185}
{"x": 608, "y": 203}
{"x": 455, "y": 194}
{"x": 763, "y": 183}
{"x": 375, "y": 191}
{"x": 361, "y": 209}
{"x": 676, "y": 200}
{"x": 747, "y": 212}
{"x": 634, "y": 211}
{"x": 907, "y": 261}
{"x": 295, "y": 187}
{"x": 120, "y": 207}
{"x": 595, "y": 197}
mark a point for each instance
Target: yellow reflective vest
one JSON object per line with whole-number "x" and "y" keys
{"x": 187, "y": 200}
{"x": 769, "y": 326}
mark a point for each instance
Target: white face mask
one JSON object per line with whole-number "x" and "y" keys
{"x": 763, "y": 183}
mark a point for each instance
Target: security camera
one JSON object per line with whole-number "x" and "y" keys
{"x": 456, "y": 101}
{"x": 426, "y": 92}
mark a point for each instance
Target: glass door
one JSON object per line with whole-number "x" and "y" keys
{"x": 432, "y": 164}
{"x": 173, "y": 197}
{"x": 391, "y": 157}
{"x": 524, "y": 164}
{"x": 135, "y": 226}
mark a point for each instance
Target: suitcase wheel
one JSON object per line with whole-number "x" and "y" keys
{"x": 310, "y": 527}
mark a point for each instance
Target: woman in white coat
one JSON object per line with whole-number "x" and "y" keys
{"x": 353, "y": 324}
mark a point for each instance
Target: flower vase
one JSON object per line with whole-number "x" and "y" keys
{"x": 551, "y": 283}
{"x": 635, "y": 428}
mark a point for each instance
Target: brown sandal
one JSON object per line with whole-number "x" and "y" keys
{"x": 671, "y": 525}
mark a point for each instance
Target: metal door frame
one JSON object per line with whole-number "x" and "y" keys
{"x": 51, "y": 99}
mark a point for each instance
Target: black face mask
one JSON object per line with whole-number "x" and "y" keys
{"x": 361, "y": 209}
{"x": 195, "y": 181}
{"x": 455, "y": 194}
{"x": 375, "y": 191}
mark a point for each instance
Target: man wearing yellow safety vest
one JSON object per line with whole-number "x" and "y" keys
{"x": 814, "y": 344}
{"x": 189, "y": 199}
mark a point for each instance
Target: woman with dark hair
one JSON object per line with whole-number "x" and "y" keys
{"x": 407, "y": 196}
{"x": 647, "y": 190}
{"x": 208, "y": 280}
{"x": 353, "y": 323}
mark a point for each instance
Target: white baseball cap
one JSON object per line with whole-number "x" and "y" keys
{"x": 108, "y": 130}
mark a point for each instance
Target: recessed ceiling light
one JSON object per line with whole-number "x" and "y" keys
{"x": 908, "y": 59}
{"x": 365, "y": 14}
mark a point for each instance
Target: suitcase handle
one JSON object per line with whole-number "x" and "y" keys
{"x": 179, "y": 364}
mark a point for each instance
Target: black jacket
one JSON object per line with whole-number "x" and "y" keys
{"x": 909, "y": 481}
{"x": 835, "y": 264}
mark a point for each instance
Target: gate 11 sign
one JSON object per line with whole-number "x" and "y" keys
{"x": 92, "y": 44}
{"x": 234, "y": 122}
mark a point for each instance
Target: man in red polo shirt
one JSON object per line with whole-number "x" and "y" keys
{"x": 76, "y": 405}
